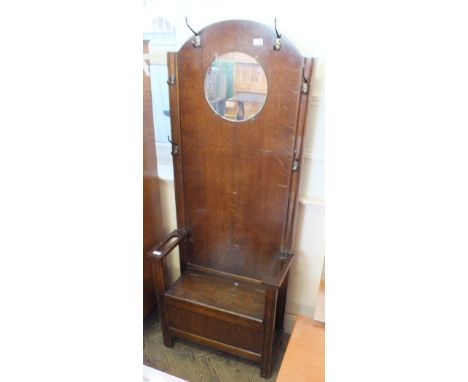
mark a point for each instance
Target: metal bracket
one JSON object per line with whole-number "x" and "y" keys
{"x": 175, "y": 147}
{"x": 146, "y": 67}
{"x": 171, "y": 80}
{"x": 277, "y": 45}
{"x": 295, "y": 165}
{"x": 196, "y": 42}
{"x": 283, "y": 256}
{"x": 305, "y": 83}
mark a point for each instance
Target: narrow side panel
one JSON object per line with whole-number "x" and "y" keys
{"x": 173, "y": 83}
{"x": 294, "y": 187}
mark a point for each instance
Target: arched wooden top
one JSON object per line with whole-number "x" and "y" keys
{"x": 234, "y": 181}
{"x": 223, "y": 35}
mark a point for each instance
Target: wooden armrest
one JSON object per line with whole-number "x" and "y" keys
{"x": 161, "y": 250}
{"x": 279, "y": 270}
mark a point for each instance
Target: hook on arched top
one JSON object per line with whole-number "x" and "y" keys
{"x": 196, "y": 42}
{"x": 278, "y": 35}
{"x": 305, "y": 82}
{"x": 277, "y": 45}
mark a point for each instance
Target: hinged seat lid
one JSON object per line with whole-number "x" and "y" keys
{"x": 220, "y": 293}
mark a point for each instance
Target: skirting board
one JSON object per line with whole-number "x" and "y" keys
{"x": 289, "y": 321}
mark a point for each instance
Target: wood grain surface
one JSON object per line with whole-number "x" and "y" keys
{"x": 304, "y": 360}
{"x": 237, "y": 177}
{"x": 220, "y": 293}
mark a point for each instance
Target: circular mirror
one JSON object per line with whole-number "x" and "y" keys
{"x": 236, "y": 86}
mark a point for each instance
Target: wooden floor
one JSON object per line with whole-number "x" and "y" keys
{"x": 196, "y": 363}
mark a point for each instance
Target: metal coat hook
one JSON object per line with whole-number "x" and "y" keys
{"x": 277, "y": 45}
{"x": 305, "y": 83}
{"x": 196, "y": 42}
{"x": 171, "y": 80}
{"x": 295, "y": 165}
{"x": 175, "y": 147}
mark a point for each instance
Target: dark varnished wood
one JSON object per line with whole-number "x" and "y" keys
{"x": 224, "y": 315}
{"x": 217, "y": 345}
{"x": 160, "y": 285}
{"x": 223, "y": 274}
{"x": 152, "y": 217}
{"x": 268, "y": 331}
{"x": 216, "y": 329}
{"x": 237, "y": 175}
{"x": 281, "y": 305}
{"x": 236, "y": 197}
{"x": 299, "y": 154}
{"x": 161, "y": 280}
{"x": 220, "y": 293}
{"x": 278, "y": 271}
{"x": 168, "y": 244}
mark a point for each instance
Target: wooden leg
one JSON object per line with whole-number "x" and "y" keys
{"x": 159, "y": 276}
{"x": 271, "y": 296}
{"x": 168, "y": 340}
{"x": 281, "y": 305}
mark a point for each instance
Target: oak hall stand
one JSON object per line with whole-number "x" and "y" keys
{"x": 238, "y": 99}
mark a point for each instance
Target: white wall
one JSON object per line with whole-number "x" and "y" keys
{"x": 170, "y": 223}
{"x": 304, "y": 31}
{"x": 309, "y": 246}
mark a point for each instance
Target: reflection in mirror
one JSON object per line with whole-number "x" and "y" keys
{"x": 236, "y": 86}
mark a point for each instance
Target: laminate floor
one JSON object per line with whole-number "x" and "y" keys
{"x": 196, "y": 363}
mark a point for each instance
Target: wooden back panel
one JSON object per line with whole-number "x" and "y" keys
{"x": 234, "y": 180}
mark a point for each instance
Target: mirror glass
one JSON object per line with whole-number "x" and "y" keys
{"x": 236, "y": 86}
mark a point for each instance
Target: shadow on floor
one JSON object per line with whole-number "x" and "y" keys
{"x": 196, "y": 363}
